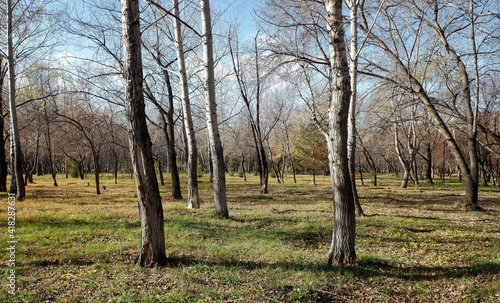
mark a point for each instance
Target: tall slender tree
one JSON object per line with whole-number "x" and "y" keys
{"x": 17, "y": 185}
{"x": 150, "y": 206}
{"x": 342, "y": 249}
{"x": 219, "y": 175}
{"x": 354, "y": 55}
{"x": 3, "y": 163}
{"x": 192, "y": 160}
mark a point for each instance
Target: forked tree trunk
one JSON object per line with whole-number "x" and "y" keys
{"x": 150, "y": 206}
{"x": 342, "y": 249}
{"x": 219, "y": 173}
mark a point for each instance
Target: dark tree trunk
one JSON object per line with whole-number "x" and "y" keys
{"x": 150, "y": 206}
{"x": 160, "y": 172}
{"x": 428, "y": 165}
{"x": 115, "y": 167}
{"x": 3, "y": 162}
{"x": 243, "y": 171}
{"x": 96, "y": 173}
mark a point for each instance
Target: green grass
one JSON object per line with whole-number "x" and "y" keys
{"x": 414, "y": 245}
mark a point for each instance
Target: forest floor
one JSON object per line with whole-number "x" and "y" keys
{"x": 414, "y": 245}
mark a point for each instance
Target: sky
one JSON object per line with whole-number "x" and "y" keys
{"x": 242, "y": 10}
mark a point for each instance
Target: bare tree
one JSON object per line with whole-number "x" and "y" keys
{"x": 192, "y": 149}
{"x": 353, "y": 70}
{"x": 342, "y": 249}
{"x": 253, "y": 106}
{"x": 17, "y": 185}
{"x": 150, "y": 206}
{"x": 431, "y": 38}
{"x": 216, "y": 150}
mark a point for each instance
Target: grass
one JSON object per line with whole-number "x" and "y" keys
{"x": 414, "y": 246}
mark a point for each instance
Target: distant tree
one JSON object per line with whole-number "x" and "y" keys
{"x": 28, "y": 36}
{"x": 311, "y": 151}
{"x": 252, "y": 98}
{"x": 148, "y": 194}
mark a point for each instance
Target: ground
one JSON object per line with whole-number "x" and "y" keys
{"x": 414, "y": 245}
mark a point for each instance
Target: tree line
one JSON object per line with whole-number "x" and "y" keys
{"x": 342, "y": 89}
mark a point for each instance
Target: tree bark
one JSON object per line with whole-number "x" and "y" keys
{"x": 17, "y": 185}
{"x": 342, "y": 249}
{"x": 95, "y": 156}
{"x": 353, "y": 70}
{"x": 219, "y": 175}
{"x": 3, "y": 162}
{"x": 192, "y": 149}
{"x": 150, "y": 206}
{"x": 48, "y": 141}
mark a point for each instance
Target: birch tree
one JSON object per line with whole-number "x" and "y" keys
{"x": 17, "y": 185}
{"x": 192, "y": 159}
{"x": 150, "y": 206}
{"x": 219, "y": 175}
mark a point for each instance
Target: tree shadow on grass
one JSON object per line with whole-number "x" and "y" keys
{"x": 365, "y": 268}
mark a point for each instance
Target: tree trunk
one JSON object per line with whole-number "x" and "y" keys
{"x": 243, "y": 171}
{"x": 353, "y": 69}
{"x": 160, "y": 172}
{"x": 192, "y": 149}
{"x": 115, "y": 168}
{"x": 49, "y": 147}
{"x": 96, "y": 173}
{"x": 150, "y": 206}
{"x": 211, "y": 113}
{"x": 428, "y": 164}
{"x": 3, "y": 163}
{"x": 168, "y": 131}
{"x": 17, "y": 185}
{"x": 402, "y": 159}
{"x": 342, "y": 249}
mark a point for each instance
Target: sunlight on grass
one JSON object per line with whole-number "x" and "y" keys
{"x": 414, "y": 245}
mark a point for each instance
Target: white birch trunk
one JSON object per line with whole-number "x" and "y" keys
{"x": 17, "y": 185}
{"x": 192, "y": 158}
{"x": 219, "y": 174}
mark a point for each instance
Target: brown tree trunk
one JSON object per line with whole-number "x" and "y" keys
{"x": 150, "y": 206}
{"x": 342, "y": 249}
